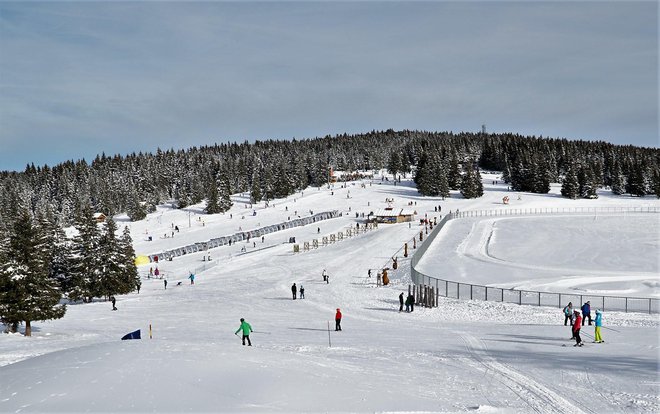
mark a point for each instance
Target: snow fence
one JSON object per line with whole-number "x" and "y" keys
{"x": 457, "y": 290}
{"x": 242, "y": 235}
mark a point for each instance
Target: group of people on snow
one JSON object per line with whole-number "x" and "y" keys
{"x": 295, "y": 290}
{"x": 577, "y": 321}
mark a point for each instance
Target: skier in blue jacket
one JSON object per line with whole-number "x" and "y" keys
{"x": 586, "y": 312}
{"x": 599, "y": 323}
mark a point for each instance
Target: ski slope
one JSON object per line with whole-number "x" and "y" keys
{"x": 460, "y": 357}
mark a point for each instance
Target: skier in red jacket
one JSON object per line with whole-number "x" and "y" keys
{"x": 338, "y": 320}
{"x": 577, "y": 324}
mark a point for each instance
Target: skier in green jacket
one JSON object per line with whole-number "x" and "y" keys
{"x": 246, "y": 328}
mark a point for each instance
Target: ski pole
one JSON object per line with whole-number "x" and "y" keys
{"x": 605, "y": 327}
{"x": 267, "y": 333}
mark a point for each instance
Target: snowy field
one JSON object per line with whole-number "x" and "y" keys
{"x": 602, "y": 254}
{"x": 463, "y": 356}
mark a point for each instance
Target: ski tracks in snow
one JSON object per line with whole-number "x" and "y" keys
{"x": 537, "y": 396}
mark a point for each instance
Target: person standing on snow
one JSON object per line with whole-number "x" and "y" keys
{"x": 294, "y": 290}
{"x": 112, "y": 298}
{"x": 165, "y": 283}
{"x": 338, "y": 320}
{"x": 586, "y": 312}
{"x": 598, "y": 322}
{"x": 325, "y": 275}
{"x": 568, "y": 312}
{"x": 302, "y": 292}
{"x": 246, "y": 328}
{"x": 192, "y": 279}
{"x": 401, "y": 302}
{"x": 577, "y": 324}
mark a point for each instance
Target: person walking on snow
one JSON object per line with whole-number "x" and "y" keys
{"x": 192, "y": 279}
{"x": 577, "y": 324}
{"x": 338, "y": 320}
{"x": 568, "y": 312}
{"x": 302, "y": 292}
{"x": 598, "y": 322}
{"x": 294, "y": 290}
{"x": 165, "y": 283}
{"x": 586, "y": 312}
{"x": 401, "y": 302}
{"x": 246, "y": 328}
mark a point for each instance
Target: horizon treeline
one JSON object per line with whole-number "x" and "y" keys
{"x": 440, "y": 161}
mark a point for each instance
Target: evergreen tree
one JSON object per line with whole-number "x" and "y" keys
{"x": 135, "y": 209}
{"x": 618, "y": 181}
{"x": 27, "y": 292}
{"x": 224, "y": 202}
{"x": 255, "y": 188}
{"x": 471, "y": 185}
{"x": 454, "y": 174}
{"x": 212, "y": 206}
{"x": 655, "y": 182}
{"x": 570, "y": 186}
{"x": 586, "y": 180}
{"x": 131, "y": 277}
{"x": 86, "y": 267}
{"x": 394, "y": 163}
{"x": 281, "y": 182}
{"x": 111, "y": 275}
{"x": 636, "y": 185}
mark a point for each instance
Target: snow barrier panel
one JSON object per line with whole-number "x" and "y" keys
{"x": 242, "y": 235}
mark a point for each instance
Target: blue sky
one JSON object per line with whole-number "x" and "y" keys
{"x": 81, "y": 78}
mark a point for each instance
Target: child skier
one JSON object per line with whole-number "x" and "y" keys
{"x": 568, "y": 311}
{"x": 577, "y": 324}
{"x": 599, "y": 322}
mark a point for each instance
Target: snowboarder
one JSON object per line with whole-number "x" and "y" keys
{"x": 401, "y": 302}
{"x": 246, "y": 328}
{"x": 586, "y": 312}
{"x": 165, "y": 283}
{"x": 113, "y": 300}
{"x": 338, "y": 320}
{"x": 302, "y": 292}
{"x": 192, "y": 279}
{"x": 294, "y": 290}
{"x": 568, "y": 312}
{"x": 577, "y": 324}
{"x": 598, "y": 322}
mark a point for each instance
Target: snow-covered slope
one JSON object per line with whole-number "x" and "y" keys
{"x": 461, "y": 356}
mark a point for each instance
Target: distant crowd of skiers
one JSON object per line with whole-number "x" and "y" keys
{"x": 577, "y": 321}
